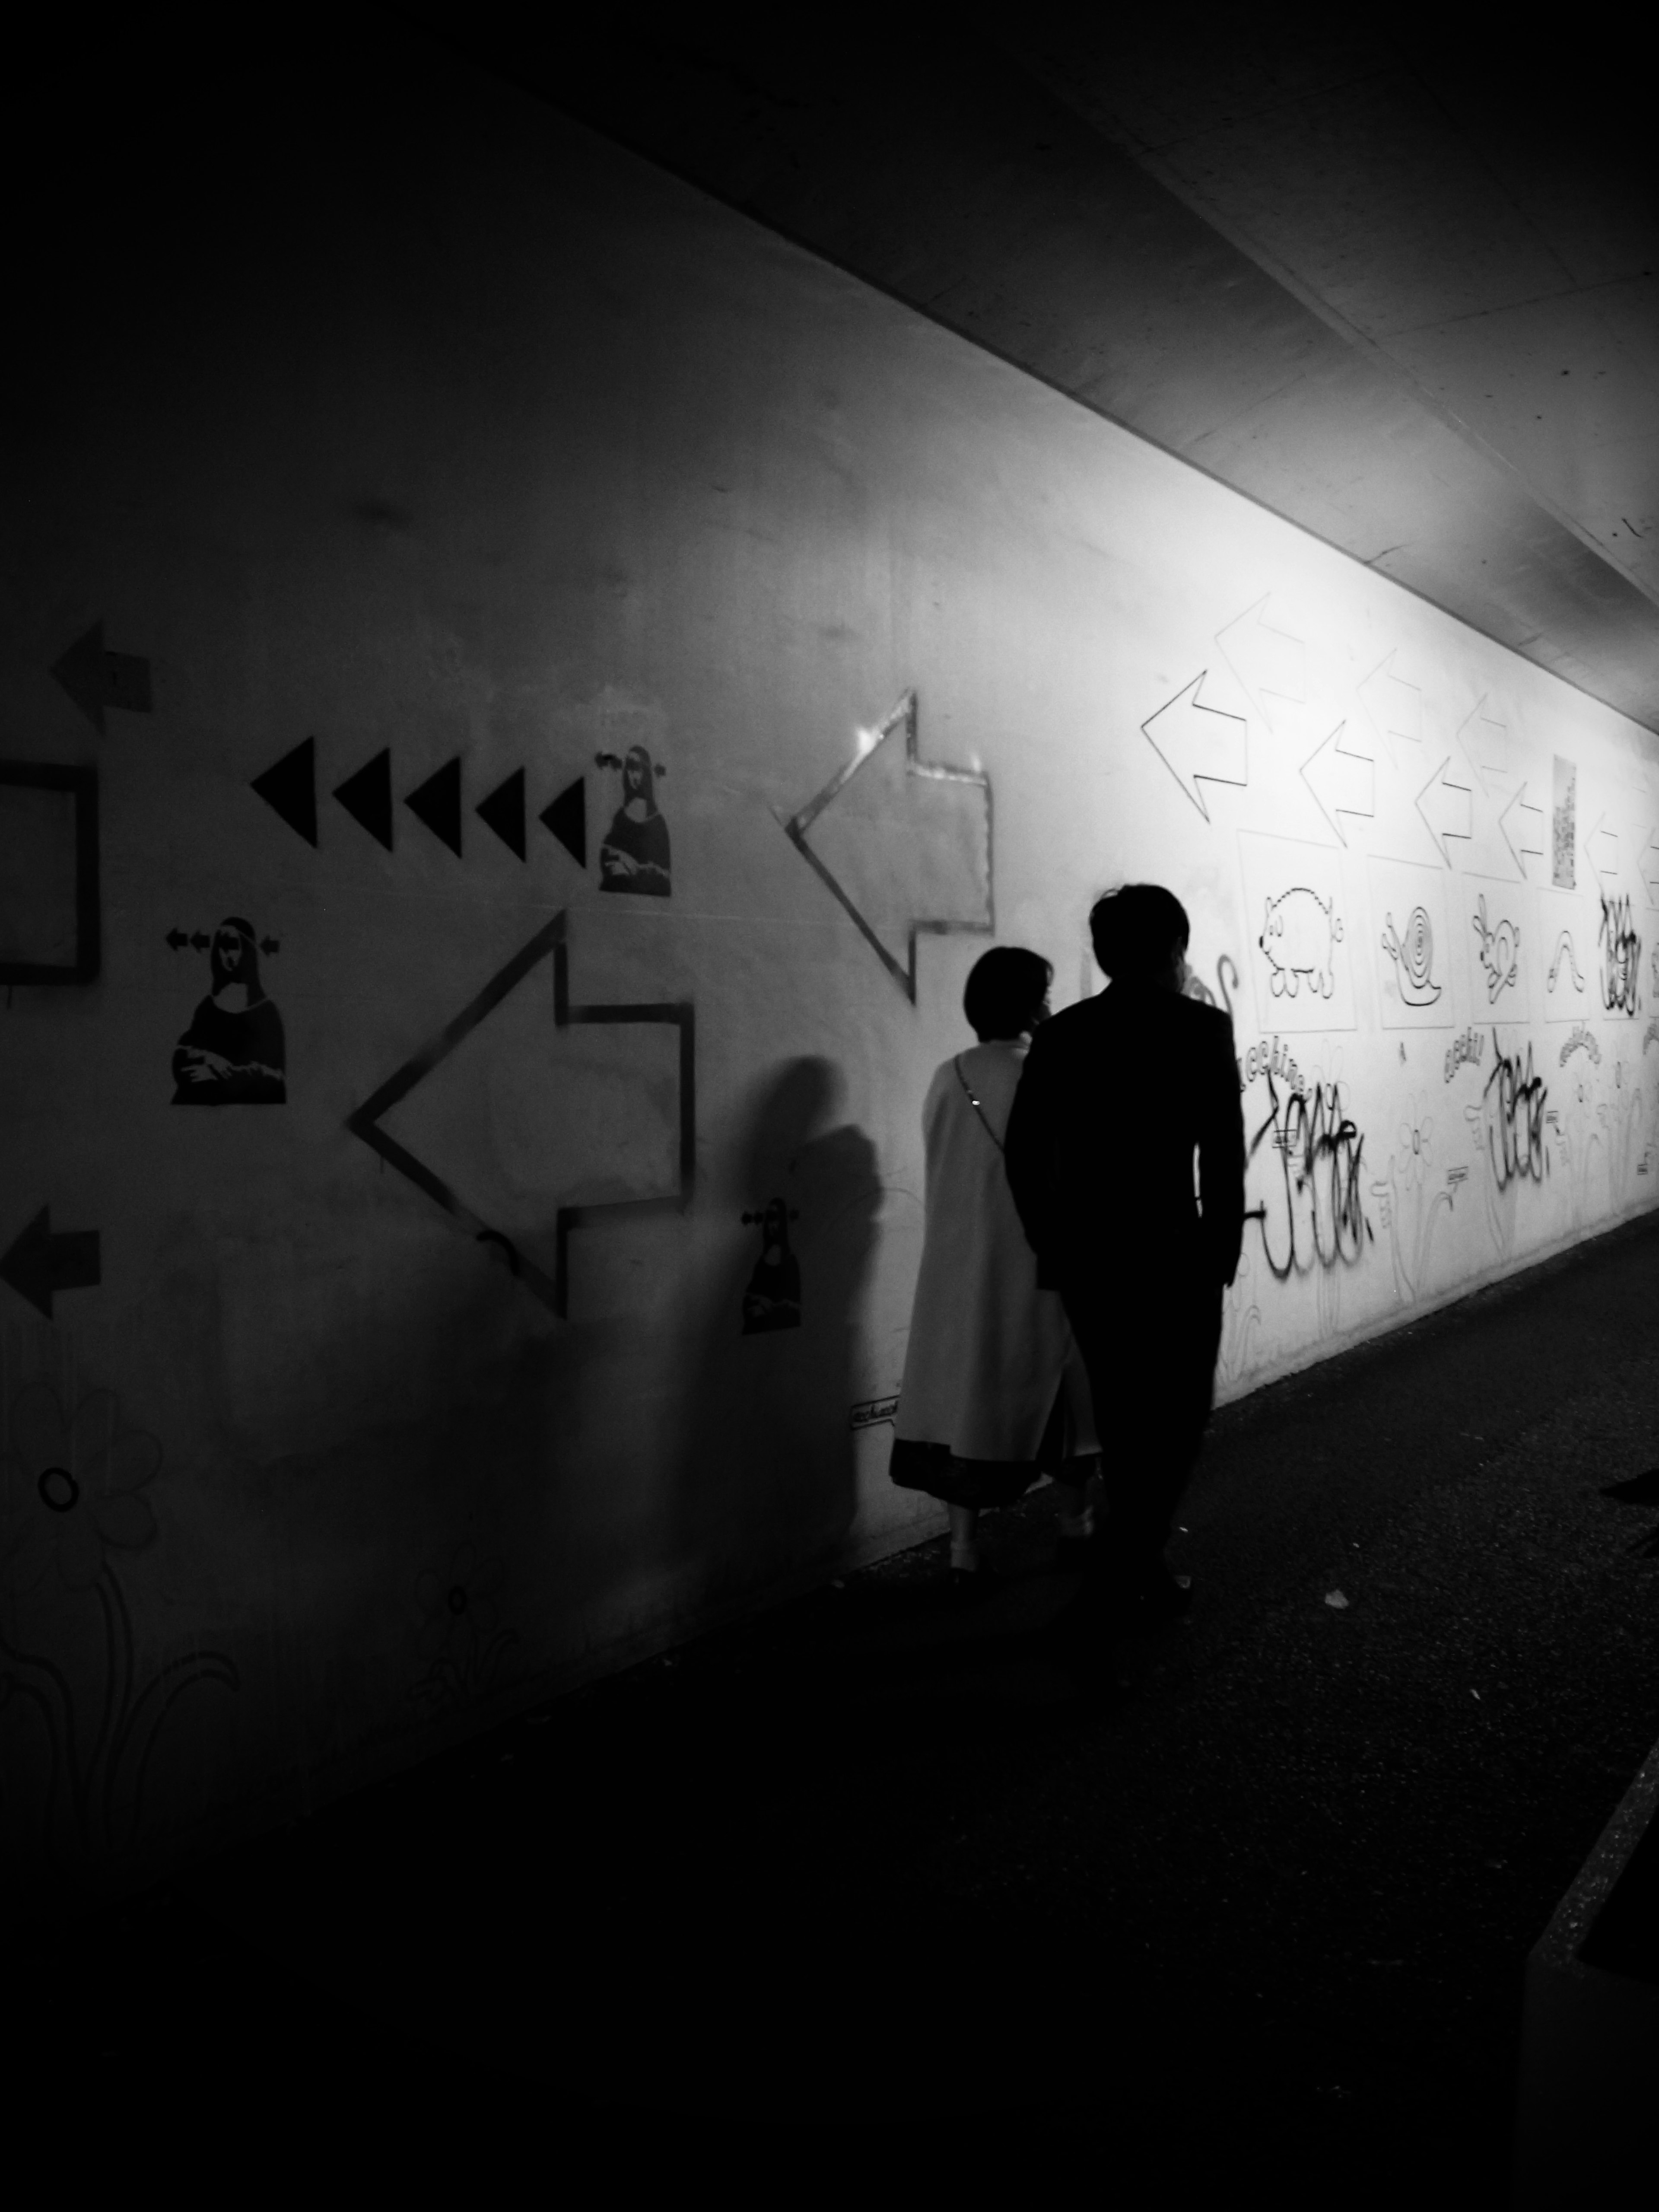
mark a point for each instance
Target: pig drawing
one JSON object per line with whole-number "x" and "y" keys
{"x": 1300, "y": 936}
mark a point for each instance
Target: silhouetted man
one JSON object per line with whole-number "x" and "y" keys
{"x": 1119, "y": 1094}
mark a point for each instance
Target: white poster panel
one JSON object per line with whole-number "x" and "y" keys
{"x": 1299, "y": 934}
{"x": 1567, "y": 951}
{"x": 1413, "y": 947}
{"x": 1499, "y": 939}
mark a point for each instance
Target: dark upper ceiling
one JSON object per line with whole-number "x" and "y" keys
{"x": 1401, "y": 291}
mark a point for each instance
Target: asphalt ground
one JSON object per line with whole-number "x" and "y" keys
{"x": 869, "y": 1870}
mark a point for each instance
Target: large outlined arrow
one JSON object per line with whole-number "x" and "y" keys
{"x": 39, "y": 1264}
{"x": 1269, "y": 663}
{"x": 553, "y": 1290}
{"x": 1199, "y": 744}
{"x": 1394, "y": 707}
{"x": 915, "y": 858}
{"x": 95, "y": 679}
{"x": 1601, "y": 851}
{"x": 1529, "y": 837}
{"x": 1443, "y": 804}
{"x": 1342, "y": 779}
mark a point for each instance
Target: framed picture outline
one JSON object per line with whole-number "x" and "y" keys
{"x": 81, "y": 784}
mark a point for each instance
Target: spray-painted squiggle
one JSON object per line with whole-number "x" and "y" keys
{"x": 1622, "y": 958}
{"x": 1515, "y": 1128}
{"x": 1312, "y": 1216}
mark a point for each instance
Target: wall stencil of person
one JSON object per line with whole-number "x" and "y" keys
{"x": 772, "y": 1299}
{"x": 233, "y": 1052}
{"x": 634, "y": 854}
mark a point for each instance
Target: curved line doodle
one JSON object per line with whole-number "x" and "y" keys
{"x": 1564, "y": 951}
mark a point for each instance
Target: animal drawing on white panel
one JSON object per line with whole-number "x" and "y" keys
{"x": 1299, "y": 935}
{"x": 1414, "y": 956}
{"x": 1500, "y": 949}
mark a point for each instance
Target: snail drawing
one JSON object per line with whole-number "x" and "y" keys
{"x": 1500, "y": 949}
{"x": 1413, "y": 955}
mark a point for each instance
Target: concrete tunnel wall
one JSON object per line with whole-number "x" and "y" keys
{"x": 480, "y": 449}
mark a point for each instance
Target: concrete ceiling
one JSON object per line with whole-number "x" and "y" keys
{"x": 1401, "y": 291}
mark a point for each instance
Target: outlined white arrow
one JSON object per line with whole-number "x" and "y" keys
{"x": 1267, "y": 661}
{"x": 1601, "y": 850}
{"x": 1485, "y": 740}
{"x": 1647, "y": 866}
{"x": 915, "y": 859}
{"x": 1443, "y": 804}
{"x": 1342, "y": 779}
{"x": 1528, "y": 831}
{"x": 1198, "y": 743}
{"x": 1394, "y": 707}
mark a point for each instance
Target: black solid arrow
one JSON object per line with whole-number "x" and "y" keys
{"x": 202, "y": 941}
{"x": 39, "y": 1264}
{"x": 437, "y": 802}
{"x": 95, "y": 679}
{"x": 290, "y": 787}
{"x": 503, "y": 812}
{"x": 566, "y": 818}
{"x": 176, "y": 939}
{"x": 367, "y": 797}
{"x": 270, "y": 944}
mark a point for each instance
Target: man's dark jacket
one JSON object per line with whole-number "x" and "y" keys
{"x": 1116, "y": 1095}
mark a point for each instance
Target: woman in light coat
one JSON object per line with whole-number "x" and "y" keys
{"x": 993, "y": 1395}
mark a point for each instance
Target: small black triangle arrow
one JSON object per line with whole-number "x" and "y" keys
{"x": 503, "y": 812}
{"x": 95, "y": 679}
{"x": 367, "y": 797}
{"x": 40, "y": 1264}
{"x": 290, "y": 787}
{"x": 437, "y": 802}
{"x": 566, "y": 818}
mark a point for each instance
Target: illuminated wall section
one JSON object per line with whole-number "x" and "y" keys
{"x": 567, "y": 690}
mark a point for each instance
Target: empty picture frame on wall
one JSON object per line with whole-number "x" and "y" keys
{"x": 49, "y": 913}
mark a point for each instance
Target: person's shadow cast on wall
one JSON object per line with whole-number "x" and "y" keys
{"x": 765, "y": 1481}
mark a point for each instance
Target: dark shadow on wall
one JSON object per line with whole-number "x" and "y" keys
{"x": 764, "y": 1482}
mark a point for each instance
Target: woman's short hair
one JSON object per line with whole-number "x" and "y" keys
{"x": 1137, "y": 930}
{"x": 1006, "y": 988}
